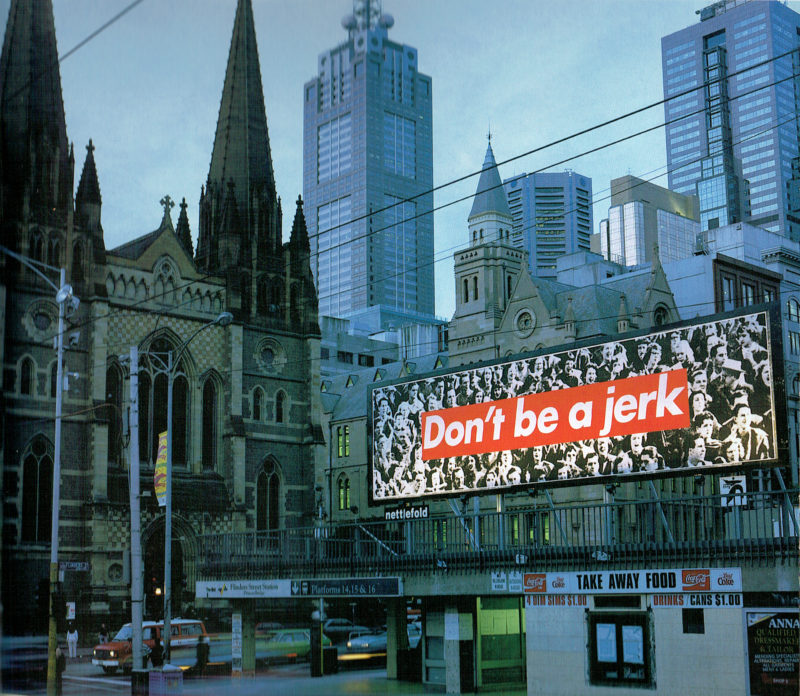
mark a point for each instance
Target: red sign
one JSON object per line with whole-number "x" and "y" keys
{"x": 696, "y": 580}
{"x": 607, "y": 409}
{"x": 534, "y": 582}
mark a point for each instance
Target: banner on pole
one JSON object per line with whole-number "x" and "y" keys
{"x": 160, "y": 473}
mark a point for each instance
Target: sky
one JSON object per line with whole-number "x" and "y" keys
{"x": 147, "y": 91}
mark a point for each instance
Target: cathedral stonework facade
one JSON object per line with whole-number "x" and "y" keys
{"x": 246, "y": 429}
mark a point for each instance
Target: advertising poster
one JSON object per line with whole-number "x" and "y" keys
{"x": 160, "y": 472}
{"x": 698, "y": 396}
{"x": 773, "y": 647}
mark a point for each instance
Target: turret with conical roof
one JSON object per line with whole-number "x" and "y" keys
{"x": 490, "y": 217}
{"x": 241, "y": 168}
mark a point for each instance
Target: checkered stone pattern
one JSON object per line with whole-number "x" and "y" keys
{"x": 207, "y": 350}
{"x": 219, "y": 525}
{"x": 119, "y": 531}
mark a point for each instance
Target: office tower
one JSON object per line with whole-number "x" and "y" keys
{"x": 642, "y": 214}
{"x": 731, "y": 113}
{"x": 552, "y": 214}
{"x": 367, "y": 176}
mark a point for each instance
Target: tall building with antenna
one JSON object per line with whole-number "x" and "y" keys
{"x": 367, "y": 177}
{"x": 732, "y": 113}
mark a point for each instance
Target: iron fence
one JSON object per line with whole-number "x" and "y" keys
{"x": 758, "y": 528}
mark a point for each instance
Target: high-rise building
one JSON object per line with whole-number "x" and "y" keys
{"x": 731, "y": 112}
{"x": 642, "y": 215}
{"x": 552, "y": 214}
{"x": 367, "y": 176}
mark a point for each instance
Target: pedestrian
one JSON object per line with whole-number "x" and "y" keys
{"x": 72, "y": 640}
{"x": 202, "y": 655}
{"x": 157, "y": 655}
{"x": 103, "y": 635}
{"x": 61, "y": 665}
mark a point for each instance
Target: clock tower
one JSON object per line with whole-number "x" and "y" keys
{"x": 486, "y": 272}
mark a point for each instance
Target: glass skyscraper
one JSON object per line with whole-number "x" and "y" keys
{"x": 731, "y": 113}
{"x": 552, "y": 213}
{"x": 367, "y": 177}
{"x": 642, "y": 215}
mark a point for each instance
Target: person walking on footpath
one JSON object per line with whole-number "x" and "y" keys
{"x": 61, "y": 665}
{"x": 72, "y": 640}
{"x": 103, "y": 636}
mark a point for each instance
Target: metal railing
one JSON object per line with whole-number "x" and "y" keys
{"x": 762, "y": 529}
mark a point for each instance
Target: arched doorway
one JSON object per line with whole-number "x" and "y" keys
{"x": 154, "y": 573}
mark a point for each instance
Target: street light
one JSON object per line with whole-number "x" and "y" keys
{"x": 64, "y": 298}
{"x": 168, "y": 368}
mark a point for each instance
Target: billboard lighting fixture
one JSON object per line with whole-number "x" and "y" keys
{"x": 354, "y": 509}
{"x": 611, "y": 487}
{"x": 699, "y": 479}
{"x": 441, "y": 564}
{"x": 533, "y": 492}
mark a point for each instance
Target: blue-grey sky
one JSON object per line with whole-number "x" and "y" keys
{"x": 147, "y": 92}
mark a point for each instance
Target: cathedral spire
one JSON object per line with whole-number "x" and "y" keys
{"x": 33, "y": 133}
{"x": 88, "y": 199}
{"x": 490, "y": 217}
{"x": 183, "y": 231}
{"x": 241, "y": 157}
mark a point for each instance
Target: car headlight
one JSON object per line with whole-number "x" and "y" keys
{"x": 111, "y": 653}
{"x": 349, "y": 645}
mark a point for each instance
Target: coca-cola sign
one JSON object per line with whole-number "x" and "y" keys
{"x": 535, "y": 582}
{"x": 696, "y": 580}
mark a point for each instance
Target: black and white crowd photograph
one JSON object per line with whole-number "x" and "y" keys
{"x": 731, "y": 403}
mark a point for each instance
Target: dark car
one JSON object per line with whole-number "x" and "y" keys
{"x": 339, "y": 630}
{"x": 24, "y": 660}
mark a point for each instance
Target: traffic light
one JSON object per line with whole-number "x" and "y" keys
{"x": 60, "y": 608}
{"x": 43, "y": 602}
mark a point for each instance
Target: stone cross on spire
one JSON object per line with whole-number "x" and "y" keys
{"x": 168, "y": 204}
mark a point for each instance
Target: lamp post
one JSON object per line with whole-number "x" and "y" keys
{"x": 64, "y": 297}
{"x": 168, "y": 368}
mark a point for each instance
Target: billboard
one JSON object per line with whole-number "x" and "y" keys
{"x": 696, "y": 397}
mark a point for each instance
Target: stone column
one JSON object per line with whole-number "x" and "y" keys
{"x": 452, "y": 656}
{"x": 396, "y": 634}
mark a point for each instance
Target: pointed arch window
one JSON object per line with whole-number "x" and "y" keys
{"x": 54, "y": 251}
{"x": 37, "y": 492}
{"x": 114, "y": 411}
{"x": 509, "y": 280}
{"x": 262, "y": 296}
{"x": 280, "y": 406}
{"x": 268, "y": 490}
{"x": 37, "y": 246}
{"x": 343, "y": 488}
{"x": 77, "y": 263}
{"x": 246, "y": 298}
{"x": 26, "y": 377}
{"x": 258, "y": 404}
{"x": 209, "y": 452}
{"x": 474, "y": 287}
{"x": 153, "y": 398}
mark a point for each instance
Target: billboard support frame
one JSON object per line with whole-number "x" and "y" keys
{"x": 786, "y": 500}
{"x": 556, "y": 517}
{"x": 660, "y": 509}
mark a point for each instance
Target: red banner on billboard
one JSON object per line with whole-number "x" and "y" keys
{"x": 640, "y": 404}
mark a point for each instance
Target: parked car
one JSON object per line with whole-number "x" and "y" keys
{"x": 376, "y": 642}
{"x": 286, "y": 645}
{"x": 118, "y": 652}
{"x": 264, "y": 627}
{"x": 24, "y": 661}
{"x": 339, "y": 630}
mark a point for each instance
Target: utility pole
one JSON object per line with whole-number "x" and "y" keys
{"x": 136, "y": 531}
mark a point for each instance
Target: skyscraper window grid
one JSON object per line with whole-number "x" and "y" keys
{"x": 389, "y": 145}
{"x": 748, "y": 33}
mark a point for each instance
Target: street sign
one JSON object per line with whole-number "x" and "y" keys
{"x": 74, "y": 565}
{"x": 347, "y": 587}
